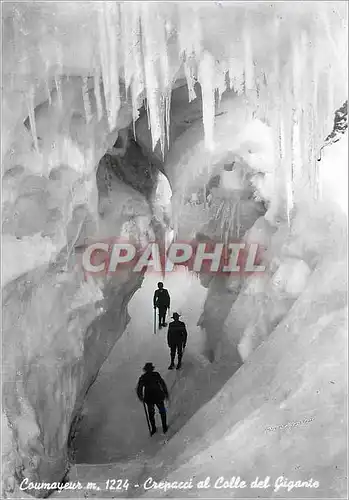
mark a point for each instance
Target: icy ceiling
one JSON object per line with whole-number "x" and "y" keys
{"x": 285, "y": 58}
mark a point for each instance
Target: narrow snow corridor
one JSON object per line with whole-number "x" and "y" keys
{"x": 114, "y": 426}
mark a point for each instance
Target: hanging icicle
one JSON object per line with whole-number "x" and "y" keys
{"x": 152, "y": 47}
{"x": 190, "y": 76}
{"x": 130, "y": 39}
{"x": 113, "y": 30}
{"x": 207, "y": 79}
{"x": 163, "y": 56}
{"x": 165, "y": 85}
{"x": 220, "y": 83}
{"x": 190, "y": 44}
{"x": 104, "y": 56}
{"x": 168, "y": 115}
{"x": 134, "y": 65}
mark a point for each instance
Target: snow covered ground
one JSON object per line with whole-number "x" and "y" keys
{"x": 280, "y": 409}
{"x": 114, "y": 427}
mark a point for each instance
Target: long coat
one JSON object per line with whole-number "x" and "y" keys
{"x": 177, "y": 334}
{"x": 152, "y": 388}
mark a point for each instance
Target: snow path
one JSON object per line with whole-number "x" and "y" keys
{"x": 114, "y": 433}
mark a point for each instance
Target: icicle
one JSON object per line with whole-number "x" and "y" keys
{"x": 136, "y": 68}
{"x": 130, "y": 38}
{"x": 164, "y": 58}
{"x": 116, "y": 42}
{"x": 165, "y": 86}
{"x": 162, "y": 110}
{"x": 168, "y": 116}
{"x": 220, "y": 84}
{"x": 190, "y": 77}
{"x": 190, "y": 43}
{"x": 206, "y": 79}
{"x": 86, "y": 99}
{"x": 31, "y": 114}
{"x": 113, "y": 27}
{"x": 104, "y": 56}
{"x": 150, "y": 27}
{"x": 97, "y": 92}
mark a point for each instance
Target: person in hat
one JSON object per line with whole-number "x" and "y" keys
{"x": 176, "y": 340}
{"x": 161, "y": 301}
{"x": 152, "y": 390}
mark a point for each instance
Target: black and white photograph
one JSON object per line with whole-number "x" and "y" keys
{"x": 174, "y": 256}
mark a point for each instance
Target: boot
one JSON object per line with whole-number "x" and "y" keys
{"x": 164, "y": 324}
{"x": 171, "y": 366}
{"x": 153, "y": 431}
{"x": 179, "y": 366}
{"x": 164, "y": 422}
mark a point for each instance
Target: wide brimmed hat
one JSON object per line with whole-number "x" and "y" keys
{"x": 148, "y": 367}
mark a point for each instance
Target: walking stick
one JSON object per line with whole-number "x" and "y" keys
{"x": 147, "y": 417}
{"x": 154, "y": 320}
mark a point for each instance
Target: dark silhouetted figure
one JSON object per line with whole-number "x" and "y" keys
{"x": 152, "y": 390}
{"x": 177, "y": 340}
{"x": 162, "y": 302}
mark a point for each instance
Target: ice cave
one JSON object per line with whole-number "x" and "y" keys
{"x": 174, "y": 122}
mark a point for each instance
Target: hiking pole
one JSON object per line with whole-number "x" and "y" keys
{"x": 147, "y": 417}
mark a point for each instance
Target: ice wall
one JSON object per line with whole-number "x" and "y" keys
{"x": 58, "y": 325}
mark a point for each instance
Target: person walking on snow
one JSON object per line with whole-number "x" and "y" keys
{"x": 176, "y": 340}
{"x": 152, "y": 390}
{"x": 161, "y": 301}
